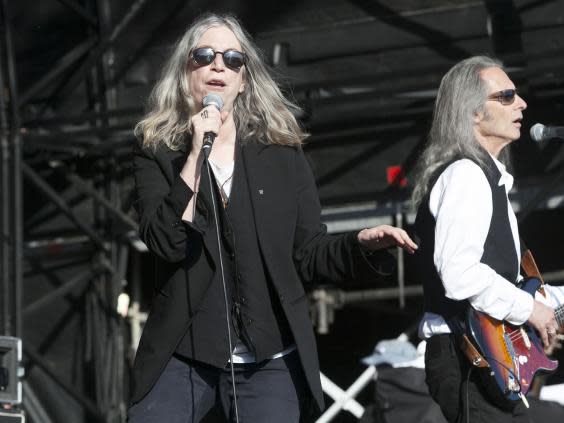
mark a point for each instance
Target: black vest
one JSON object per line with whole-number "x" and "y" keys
{"x": 256, "y": 316}
{"x": 499, "y": 247}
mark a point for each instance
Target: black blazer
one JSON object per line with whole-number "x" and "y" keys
{"x": 294, "y": 243}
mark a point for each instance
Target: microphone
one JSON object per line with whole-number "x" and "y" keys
{"x": 210, "y": 100}
{"x": 540, "y": 132}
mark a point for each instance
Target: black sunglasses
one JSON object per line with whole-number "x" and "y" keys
{"x": 233, "y": 59}
{"x": 505, "y": 97}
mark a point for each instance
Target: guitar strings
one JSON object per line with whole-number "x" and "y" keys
{"x": 515, "y": 336}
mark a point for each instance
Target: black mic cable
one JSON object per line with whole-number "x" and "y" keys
{"x": 222, "y": 272}
{"x": 208, "y": 142}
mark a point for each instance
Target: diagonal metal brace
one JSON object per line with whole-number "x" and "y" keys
{"x": 61, "y": 204}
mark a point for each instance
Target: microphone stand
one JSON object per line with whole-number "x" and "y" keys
{"x": 207, "y": 150}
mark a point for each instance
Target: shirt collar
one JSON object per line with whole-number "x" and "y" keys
{"x": 506, "y": 178}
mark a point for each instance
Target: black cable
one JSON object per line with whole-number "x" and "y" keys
{"x": 492, "y": 359}
{"x": 227, "y": 309}
{"x": 468, "y": 395}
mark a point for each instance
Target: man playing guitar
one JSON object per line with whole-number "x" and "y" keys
{"x": 469, "y": 248}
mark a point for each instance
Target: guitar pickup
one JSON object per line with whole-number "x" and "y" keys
{"x": 525, "y": 337}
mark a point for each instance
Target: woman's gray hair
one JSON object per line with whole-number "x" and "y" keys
{"x": 462, "y": 94}
{"x": 261, "y": 112}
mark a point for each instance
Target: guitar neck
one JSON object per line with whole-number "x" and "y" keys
{"x": 559, "y": 314}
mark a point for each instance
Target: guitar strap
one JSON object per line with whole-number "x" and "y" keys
{"x": 456, "y": 325}
{"x": 472, "y": 353}
{"x": 531, "y": 270}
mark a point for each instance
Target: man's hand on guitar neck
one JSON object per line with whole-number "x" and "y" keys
{"x": 543, "y": 320}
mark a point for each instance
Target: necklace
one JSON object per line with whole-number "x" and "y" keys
{"x": 224, "y": 196}
{"x": 221, "y": 173}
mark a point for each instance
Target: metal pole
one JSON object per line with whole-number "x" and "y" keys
{"x": 5, "y": 240}
{"x": 81, "y": 11}
{"x": 63, "y": 64}
{"x": 401, "y": 261}
{"x": 16, "y": 210}
{"x": 88, "y": 405}
{"x": 79, "y": 280}
{"x": 95, "y": 56}
{"x": 364, "y": 379}
{"x": 101, "y": 200}
{"x": 347, "y": 297}
{"x": 33, "y": 405}
{"x": 62, "y": 205}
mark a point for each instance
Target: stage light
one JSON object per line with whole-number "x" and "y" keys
{"x": 10, "y": 370}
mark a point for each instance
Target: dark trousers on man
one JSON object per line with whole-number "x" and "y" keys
{"x": 270, "y": 391}
{"x": 456, "y": 387}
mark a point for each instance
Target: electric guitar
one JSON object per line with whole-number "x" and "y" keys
{"x": 513, "y": 354}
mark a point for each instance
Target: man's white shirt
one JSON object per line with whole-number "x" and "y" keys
{"x": 461, "y": 203}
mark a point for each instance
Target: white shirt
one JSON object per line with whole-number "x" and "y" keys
{"x": 461, "y": 203}
{"x": 224, "y": 176}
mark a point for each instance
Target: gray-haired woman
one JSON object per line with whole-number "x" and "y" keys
{"x": 234, "y": 240}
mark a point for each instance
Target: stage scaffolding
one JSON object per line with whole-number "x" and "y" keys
{"x": 77, "y": 167}
{"x": 80, "y": 235}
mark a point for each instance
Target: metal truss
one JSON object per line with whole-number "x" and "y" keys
{"x": 77, "y": 162}
{"x": 81, "y": 220}
{"x": 11, "y": 186}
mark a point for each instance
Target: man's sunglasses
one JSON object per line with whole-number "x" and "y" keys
{"x": 233, "y": 59}
{"x": 505, "y": 97}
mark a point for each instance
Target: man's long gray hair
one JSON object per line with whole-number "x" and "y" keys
{"x": 462, "y": 94}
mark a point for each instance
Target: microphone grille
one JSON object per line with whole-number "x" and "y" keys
{"x": 537, "y": 132}
{"x": 214, "y": 100}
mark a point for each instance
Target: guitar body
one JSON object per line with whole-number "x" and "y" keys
{"x": 515, "y": 353}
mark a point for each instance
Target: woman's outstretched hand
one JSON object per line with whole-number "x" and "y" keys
{"x": 385, "y": 236}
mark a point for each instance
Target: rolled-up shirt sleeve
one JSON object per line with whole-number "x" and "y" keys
{"x": 461, "y": 202}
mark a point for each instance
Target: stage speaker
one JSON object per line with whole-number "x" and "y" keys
{"x": 12, "y": 417}
{"x": 10, "y": 358}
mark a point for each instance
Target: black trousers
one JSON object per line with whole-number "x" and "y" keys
{"x": 456, "y": 387}
{"x": 271, "y": 391}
